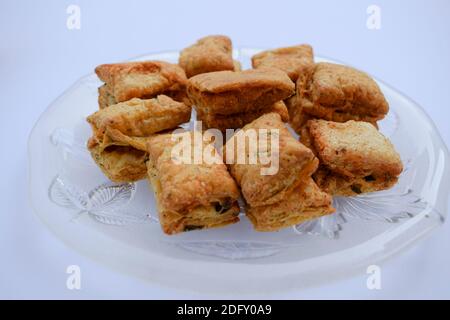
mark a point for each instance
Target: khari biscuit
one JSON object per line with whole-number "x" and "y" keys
{"x": 190, "y": 195}
{"x": 238, "y": 120}
{"x": 354, "y": 157}
{"x": 305, "y": 202}
{"x": 208, "y": 54}
{"x": 293, "y": 60}
{"x": 118, "y": 142}
{"x": 228, "y": 92}
{"x": 143, "y": 79}
{"x": 295, "y": 161}
{"x": 337, "y": 93}
{"x": 120, "y": 161}
{"x": 138, "y": 117}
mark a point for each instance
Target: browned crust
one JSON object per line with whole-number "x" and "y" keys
{"x": 118, "y": 142}
{"x": 200, "y": 217}
{"x": 187, "y": 186}
{"x": 173, "y": 223}
{"x": 354, "y": 157}
{"x": 293, "y": 60}
{"x": 296, "y": 162}
{"x": 338, "y": 88}
{"x": 144, "y": 79}
{"x": 138, "y": 117}
{"x": 305, "y": 202}
{"x": 238, "y": 120}
{"x": 228, "y": 92}
{"x": 105, "y": 98}
{"x": 341, "y": 185}
{"x": 336, "y": 93}
{"x": 208, "y": 54}
{"x": 119, "y": 161}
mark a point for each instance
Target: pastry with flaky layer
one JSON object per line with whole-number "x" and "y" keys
{"x": 208, "y": 54}
{"x": 141, "y": 117}
{"x": 354, "y": 157}
{"x": 294, "y": 161}
{"x": 238, "y": 120}
{"x": 228, "y": 92}
{"x": 305, "y": 202}
{"x": 118, "y": 142}
{"x": 121, "y": 160}
{"x": 190, "y": 195}
{"x": 337, "y": 93}
{"x": 143, "y": 79}
{"x": 283, "y": 197}
{"x": 293, "y": 60}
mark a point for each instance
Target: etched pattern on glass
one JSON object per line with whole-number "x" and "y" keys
{"x": 106, "y": 203}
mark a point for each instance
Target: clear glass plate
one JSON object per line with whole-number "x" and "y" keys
{"x": 117, "y": 224}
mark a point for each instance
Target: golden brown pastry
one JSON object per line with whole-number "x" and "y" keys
{"x": 337, "y": 93}
{"x": 105, "y": 98}
{"x": 118, "y": 143}
{"x": 208, "y": 54}
{"x": 295, "y": 162}
{"x": 143, "y": 79}
{"x": 238, "y": 120}
{"x": 228, "y": 92}
{"x": 189, "y": 195}
{"x": 294, "y": 60}
{"x": 120, "y": 161}
{"x": 138, "y": 117}
{"x": 285, "y": 196}
{"x": 305, "y": 202}
{"x": 354, "y": 157}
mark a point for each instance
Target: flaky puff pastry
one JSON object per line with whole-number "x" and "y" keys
{"x": 143, "y": 79}
{"x": 336, "y": 93}
{"x": 208, "y": 54}
{"x": 120, "y": 131}
{"x": 138, "y": 117}
{"x": 295, "y": 161}
{"x": 228, "y": 92}
{"x": 293, "y": 60}
{"x": 354, "y": 157}
{"x": 121, "y": 160}
{"x": 305, "y": 202}
{"x": 238, "y": 120}
{"x": 190, "y": 195}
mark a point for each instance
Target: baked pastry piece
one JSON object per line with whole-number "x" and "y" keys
{"x": 228, "y": 92}
{"x": 295, "y": 161}
{"x": 238, "y": 120}
{"x": 119, "y": 133}
{"x": 337, "y": 93}
{"x": 208, "y": 54}
{"x": 190, "y": 196}
{"x": 120, "y": 161}
{"x": 354, "y": 157}
{"x": 138, "y": 117}
{"x": 305, "y": 202}
{"x": 292, "y": 60}
{"x": 282, "y": 197}
{"x": 105, "y": 98}
{"x": 144, "y": 79}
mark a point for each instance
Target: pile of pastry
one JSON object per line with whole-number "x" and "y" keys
{"x": 334, "y": 109}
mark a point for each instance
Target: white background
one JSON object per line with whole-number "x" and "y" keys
{"x": 40, "y": 58}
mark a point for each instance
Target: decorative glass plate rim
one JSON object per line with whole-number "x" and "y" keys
{"x": 281, "y": 275}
